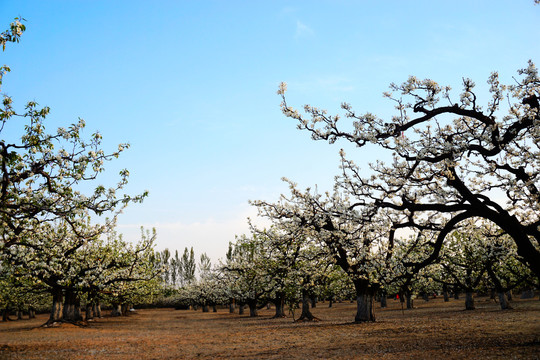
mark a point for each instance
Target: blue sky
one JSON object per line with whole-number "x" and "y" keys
{"x": 191, "y": 85}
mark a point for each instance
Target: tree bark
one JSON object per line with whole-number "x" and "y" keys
{"x": 96, "y": 309}
{"x": 503, "y": 301}
{"x": 469, "y": 301}
{"x": 383, "y": 301}
{"x": 365, "y": 296}
{"x": 89, "y": 313}
{"x": 445, "y": 293}
{"x": 214, "y": 308}
{"x": 5, "y": 315}
{"x": 456, "y": 293}
{"x": 313, "y": 301}
{"x": 72, "y": 307}
{"x": 409, "y": 299}
{"x": 241, "y": 309}
{"x": 306, "y": 314}
{"x": 57, "y": 310}
{"x": 125, "y": 309}
{"x": 253, "y": 308}
{"x": 116, "y": 309}
{"x": 205, "y": 308}
{"x": 279, "y": 302}
{"x": 19, "y": 314}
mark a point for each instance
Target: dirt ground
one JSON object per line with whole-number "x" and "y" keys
{"x": 432, "y": 330}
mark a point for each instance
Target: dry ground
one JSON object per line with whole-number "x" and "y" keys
{"x": 432, "y": 330}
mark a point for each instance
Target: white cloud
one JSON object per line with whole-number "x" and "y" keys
{"x": 302, "y": 30}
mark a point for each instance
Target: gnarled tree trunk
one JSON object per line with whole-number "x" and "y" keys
{"x": 365, "y": 296}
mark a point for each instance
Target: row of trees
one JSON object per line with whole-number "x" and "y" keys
{"x": 455, "y": 167}
{"x": 51, "y": 250}
{"x": 292, "y": 265}
{"x": 457, "y": 207}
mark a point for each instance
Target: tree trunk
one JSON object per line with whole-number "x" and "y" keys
{"x": 469, "y": 300}
{"x": 445, "y": 293}
{"x": 253, "y": 308}
{"x": 72, "y": 310}
{"x": 214, "y": 308}
{"x": 205, "y": 308}
{"x": 231, "y": 307}
{"x": 125, "y": 309}
{"x": 527, "y": 294}
{"x": 279, "y": 302}
{"x": 492, "y": 295}
{"x": 19, "y": 314}
{"x": 116, "y": 309}
{"x": 306, "y": 314}
{"x": 409, "y": 299}
{"x": 313, "y": 301}
{"x": 89, "y": 313}
{"x": 31, "y": 313}
{"x": 509, "y": 295}
{"x": 57, "y": 310}
{"x": 5, "y": 315}
{"x": 365, "y": 294}
{"x": 456, "y": 293}
{"x": 330, "y": 302}
{"x": 96, "y": 309}
{"x": 241, "y": 309}
{"x": 383, "y": 301}
{"x": 503, "y": 301}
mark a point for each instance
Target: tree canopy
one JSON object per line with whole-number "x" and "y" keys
{"x": 452, "y": 158}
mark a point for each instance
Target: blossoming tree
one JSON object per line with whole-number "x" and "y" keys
{"x": 451, "y": 156}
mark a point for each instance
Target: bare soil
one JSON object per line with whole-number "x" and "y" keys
{"x": 433, "y": 330}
